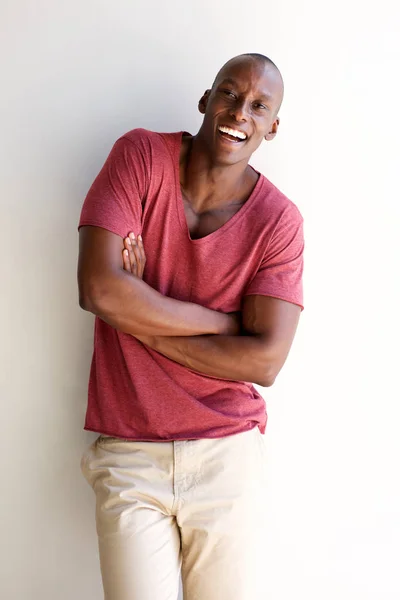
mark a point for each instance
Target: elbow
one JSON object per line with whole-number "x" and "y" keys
{"x": 91, "y": 297}
{"x": 267, "y": 371}
{"x": 84, "y": 298}
{"x": 85, "y": 302}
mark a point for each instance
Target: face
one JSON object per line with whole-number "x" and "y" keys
{"x": 240, "y": 110}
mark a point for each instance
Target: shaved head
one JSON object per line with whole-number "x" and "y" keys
{"x": 251, "y": 58}
{"x": 241, "y": 108}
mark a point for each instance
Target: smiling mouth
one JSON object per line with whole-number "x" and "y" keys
{"x": 233, "y": 135}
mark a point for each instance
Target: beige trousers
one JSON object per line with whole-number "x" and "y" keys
{"x": 193, "y": 508}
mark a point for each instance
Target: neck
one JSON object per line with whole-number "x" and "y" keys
{"x": 208, "y": 185}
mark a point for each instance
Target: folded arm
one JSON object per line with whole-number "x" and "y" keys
{"x": 130, "y": 305}
{"x": 257, "y": 356}
{"x": 268, "y": 328}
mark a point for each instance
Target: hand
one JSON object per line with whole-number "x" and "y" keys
{"x": 133, "y": 255}
{"x": 134, "y": 261}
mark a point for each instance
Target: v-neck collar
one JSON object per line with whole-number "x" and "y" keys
{"x": 179, "y": 200}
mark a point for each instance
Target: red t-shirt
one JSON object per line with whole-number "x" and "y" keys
{"x": 135, "y": 392}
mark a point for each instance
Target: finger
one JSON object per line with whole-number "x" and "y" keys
{"x": 136, "y": 251}
{"x": 132, "y": 259}
{"x": 141, "y": 249}
{"x": 142, "y": 262}
{"x": 126, "y": 260}
{"x": 125, "y": 256}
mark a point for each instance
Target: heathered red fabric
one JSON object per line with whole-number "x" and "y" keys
{"x": 134, "y": 392}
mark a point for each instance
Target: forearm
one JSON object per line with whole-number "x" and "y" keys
{"x": 241, "y": 358}
{"x": 130, "y": 305}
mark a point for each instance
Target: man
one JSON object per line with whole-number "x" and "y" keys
{"x": 192, "y": 262}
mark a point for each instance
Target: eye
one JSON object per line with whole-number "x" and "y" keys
{"x": 228, "y": 93}
{"x": 259, "y": 106}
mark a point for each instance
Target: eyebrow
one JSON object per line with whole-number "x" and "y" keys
{"x": 234, "y": 83}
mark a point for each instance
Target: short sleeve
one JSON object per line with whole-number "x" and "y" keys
{"x": 114, "y": 201}
{"x": 281, "y": 270}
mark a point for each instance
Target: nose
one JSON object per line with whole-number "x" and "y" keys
{"x": 239, "y": 111}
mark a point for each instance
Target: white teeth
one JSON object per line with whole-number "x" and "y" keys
{"x": 238, "y": 134}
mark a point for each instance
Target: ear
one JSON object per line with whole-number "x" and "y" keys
{"x": 273, "y": 131}
{"x": 203, "y": 102}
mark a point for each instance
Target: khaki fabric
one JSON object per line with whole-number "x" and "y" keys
{"x": 191, "y": 508}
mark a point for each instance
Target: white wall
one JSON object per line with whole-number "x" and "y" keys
{"x": 78, "y": 74}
